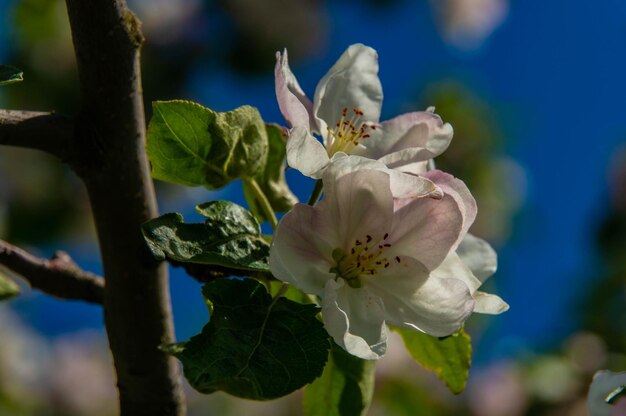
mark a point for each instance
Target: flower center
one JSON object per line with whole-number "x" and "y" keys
{"x": 365, "y": 258}
{"x": 348, "y": 133}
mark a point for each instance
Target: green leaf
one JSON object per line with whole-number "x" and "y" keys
{"x": 345, "y": 387}
{"x": 271, "y": 179}
{"x": 253, "y": 347}
{"x": 192, "y": 145}
{"x": 10, "y": 74}
{"x": 8, "y": 288}
{"x": 449, "y": 358}
{"x": 230, "y": 237}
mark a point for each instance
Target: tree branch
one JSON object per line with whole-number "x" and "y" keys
{"x": 59, "y": 276}
{"x": 48, "y": 132}
{"x": 110, "y": 133}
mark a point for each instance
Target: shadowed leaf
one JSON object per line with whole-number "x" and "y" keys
{"x": 253, "y": 347}
{"x": 230, "y": 237}
{"x": 10, "y": 74}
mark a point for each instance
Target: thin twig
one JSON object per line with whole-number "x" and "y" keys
{"x": 59, "y": 276}
{"x": 48, "y": 132}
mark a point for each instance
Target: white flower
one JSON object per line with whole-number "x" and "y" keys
{"x": 606, "y": 385}
{"x": 377, "y": 253}
{"x": 346, "y": 111}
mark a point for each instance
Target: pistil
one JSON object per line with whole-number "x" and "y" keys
{"x": 364, "y": 258}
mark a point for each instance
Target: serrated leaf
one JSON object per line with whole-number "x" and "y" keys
{"x": 10, "y": 74}
{"x": 345, "y": 388}
{"x": 230, "y": 237}
{"x": 254, "y": 347}
{"x": 271, "y": 179}
{"x": 449, "y": 358}
{"x": 8, "y": 288}
{"x": 191, "y": 145}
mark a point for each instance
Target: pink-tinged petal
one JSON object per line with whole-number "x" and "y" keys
{"x": 478, "y": 255}
{"x": 418, "y": 129}
{"x": 427, "y": 229}
{"x": 354, "y": 318}
{"x": 489, "y": 304}
{"x": 351, "y": 83}
{"x": 414, "y": 300}
{"x": 294, "y": 104}
{"x": 301, "y": 249}
{"x": 408, "y": 139}
{"x": 456, "y": 189}
{"x": 305, "y": 153}
{"x": 359, "y": 204}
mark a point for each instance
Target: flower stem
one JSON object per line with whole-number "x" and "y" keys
{"x": 261, "y": 198}
{"x": 315, "y": 195}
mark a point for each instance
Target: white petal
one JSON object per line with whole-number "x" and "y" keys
{"x": 359, "y": 203}
{"x": 351, "y": 83}
{"x": 305, "y": 153}
{"x": 489, "y": 304}
{"x": 407, "y": 160}
{"x": 414, "y": 300}
{"x": 454, "y": 268}
{"x": 294, "y": 104}
{"x": 354, "y": 318}
{"x": 604, "y": 382}
{"x": 415, "y": 167}
{"x": 478, "y": 255}
{"x": 403, "y": 186}
{"x": 406, "y": 187}
{"x": 301, "y": 249}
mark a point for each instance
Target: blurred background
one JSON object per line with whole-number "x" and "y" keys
{"x": 536, "y": 94}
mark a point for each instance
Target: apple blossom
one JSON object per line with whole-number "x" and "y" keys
{"x": 377, "y": 254}
{"x": 345, "y": 112}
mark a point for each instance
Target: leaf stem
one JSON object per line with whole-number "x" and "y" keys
{"x": 317, "y": 190}
{"x": 281, "y": 291}
{"x": 266, "y": 207}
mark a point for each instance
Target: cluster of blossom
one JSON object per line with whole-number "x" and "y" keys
{"x": 388, "y": 244}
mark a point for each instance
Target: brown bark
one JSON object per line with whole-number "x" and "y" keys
{"x": 111, "y": 131}
{"x": 59, "y": 276}
{"x": 105, "y": 146}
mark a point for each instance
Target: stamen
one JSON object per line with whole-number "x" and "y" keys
{"x": 364, "y": 259}
{"x": 348, "y": 133}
